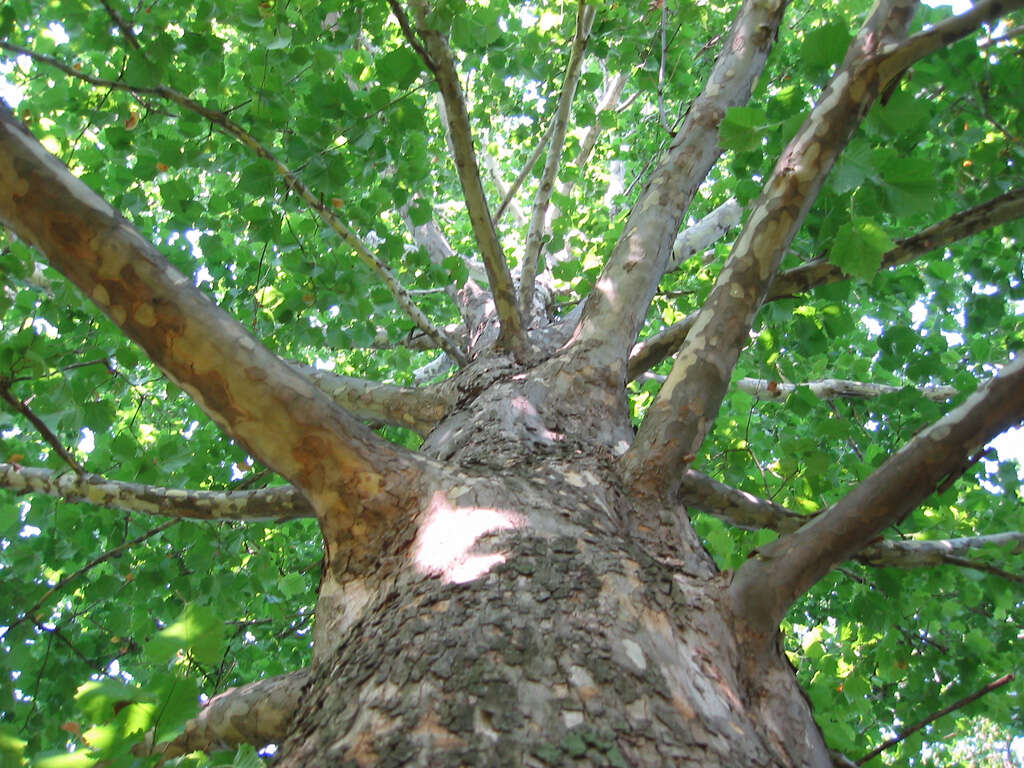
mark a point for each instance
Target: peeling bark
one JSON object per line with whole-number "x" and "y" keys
{"x": 278, "y": 503}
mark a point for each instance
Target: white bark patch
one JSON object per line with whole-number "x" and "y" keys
{"x": 100, "y": 296}
{"x": 571, "y": 718}
{"x": 635, "y": 654}
{"x": 145, "y": 316}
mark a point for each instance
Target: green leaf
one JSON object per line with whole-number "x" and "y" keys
{"x": 858, "y": 247}
{"x": 197, "y": 630}
{"x": 399, "y": 67}
{"x": 742, "y": 128}
{"x": 826, "y": 45}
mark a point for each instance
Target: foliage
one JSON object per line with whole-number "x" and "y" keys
{"x": 343, "y": 101}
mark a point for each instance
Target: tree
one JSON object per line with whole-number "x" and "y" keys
{"x": 560, "y": 474}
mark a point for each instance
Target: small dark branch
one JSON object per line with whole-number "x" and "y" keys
{"x": 992, "y": 570}
{"x": 124, "y": 26}
{"x": 45, "y": 431}
{"x": 988, "y": 688}
{"x": 999, "y": 210}
{"x": 661, "y": 69}
{"x": 528, "y": 277}
{"x": 222, "y": 122}
{"x": 410, "y": 34}
{"x": 527, "y": 167}
{"x": 115, "y": 552}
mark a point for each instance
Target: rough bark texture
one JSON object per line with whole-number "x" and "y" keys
{"x": 528, "y": 620}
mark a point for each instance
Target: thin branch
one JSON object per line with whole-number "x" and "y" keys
{"x": 115, "y": 552}
{"x": 439, "y": 59}
{"x": 124, "y": 26}
{"x": 509, "y": 196}
{"x": 293, "y": 182}
{"x": 829, "y": 389}
{"x": 766, "y": 585}
{"x": 277, "y": 503}
{"x": 584, "y": 23}
{"x": 739, "y": 508}
{"x": 416, "y": 408}
{"x": 999, "y": 210}
{"x": 988, "y": 688}
{"x": 40, "y": 425}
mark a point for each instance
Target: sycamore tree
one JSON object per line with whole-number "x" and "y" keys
{"x": 413, "y": 383}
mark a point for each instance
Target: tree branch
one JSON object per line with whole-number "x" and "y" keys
{"x": 999, "y": 210}
{"x": 278, "y": 503}
{"x": 739, "y": 508}
{"x": 439, "y": 59}
{"x": 415, "y": 408}
{"x": 528, "y": 276}
{"x": 766, "y": 585}
{"x": 705, "y": 232}
{"x": 617, "y": 307}
{"x": 932, "y": 718}
{"x": 110, "y": 553}
{"x": 258, "y": 713}
{"x": 510, "y": 194}
{"x": 745, "y": 510}
{"x": 830, "y": 389}
{"x": 681, "y": 415}
{"x": 40, "y": 425}
{"x": 254, "y": 396}
{"x": 222, "y": 121}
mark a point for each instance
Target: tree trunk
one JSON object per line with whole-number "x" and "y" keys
{"x": 539, "y": 616}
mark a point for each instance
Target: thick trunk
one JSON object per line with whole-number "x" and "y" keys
{"x": 536, "y": 615}
{"x": 553, "y": 638}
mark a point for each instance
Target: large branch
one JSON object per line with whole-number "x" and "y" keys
{"x": 745, "y": 510}
{"x": 255, "y": 397}
{"x": 766, "y": 585}
{"x": 682, "y": 414}
{"x": 999, "y": 210}
{"x": 258, "y": 713}
{"x": 617, "y": 307}
{"x": 440, "y": 61}
{"x": 278, "y": 503}
{"x": 528, "y": 277}
{"x": 222, "y": 121}
{"x": 415, "y": 408}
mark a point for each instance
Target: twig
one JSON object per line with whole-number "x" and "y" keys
{"x": 527, "y": 167}
{"x": 41, "y": 427}
{"x": 88, "y": 567}
{"x": 932, "y": 718}
{"x": 584, "y": 23}
{"x": 124, "y": 26}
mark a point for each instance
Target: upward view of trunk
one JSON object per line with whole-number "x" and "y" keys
{"x": 526, "y": 587}
{"x": 535, "y": 614}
